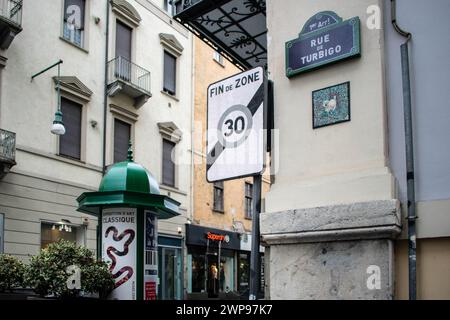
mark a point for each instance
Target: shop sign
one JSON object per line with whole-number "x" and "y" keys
{"x": 199, "y": 236}
{"x": 217, "y": 237}
{"x": 324, "y": 39}
{"x": 119, "y": 249}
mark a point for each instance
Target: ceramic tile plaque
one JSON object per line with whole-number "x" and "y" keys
{"x": 331, "y": 105}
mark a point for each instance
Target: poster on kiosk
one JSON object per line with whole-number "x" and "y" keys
{"x": 150, "y": 258}
{"x": 119, "y": 250}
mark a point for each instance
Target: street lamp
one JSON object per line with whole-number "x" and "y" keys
{"x": 58, "y": 124}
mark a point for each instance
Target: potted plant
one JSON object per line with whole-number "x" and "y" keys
{"x": 49, "y": 272}
{"x": 11, "y": 273}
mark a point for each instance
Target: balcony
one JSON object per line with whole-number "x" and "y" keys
{"x": 10, "y": 21}
{"x": 7, "y": 151}
{"x": 130, "y": 79}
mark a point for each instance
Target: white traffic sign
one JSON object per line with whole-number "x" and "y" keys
{"x": 235, "y": 135}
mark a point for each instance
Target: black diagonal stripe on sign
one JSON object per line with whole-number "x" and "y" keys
{"x": 253, "y": 106}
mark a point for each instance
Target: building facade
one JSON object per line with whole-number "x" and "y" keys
{"x": 222, "y": 208}
{"x": 338, "y": 249}
{"x": 126, "y": 76}
{"x": 339, "y": 217}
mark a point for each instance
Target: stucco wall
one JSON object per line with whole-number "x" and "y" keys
{"x": 433, "y": 273}
{"x": 343, "y": 163}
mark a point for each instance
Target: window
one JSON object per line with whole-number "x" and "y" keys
{"x": 218, "y": 58}
{"x": 122, "y": 136}
{"x": 123, "y": 51}
{"x": 169, "y": 7}
{"x": 74, "y": 14}
{"x": 248, "y": 200}
{"x": 53, "y": 232}
{"x": 170, "y": 73}
{"x": 168, "y": 172}
{"x": 70, "y": 143}
{"x": 123, "y": 40}
{"x": 218, "y": 196}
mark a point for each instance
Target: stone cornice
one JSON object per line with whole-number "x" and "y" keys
{"x": 364, "y": 220}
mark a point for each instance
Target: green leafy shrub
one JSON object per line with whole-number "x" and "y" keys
{"x": 47, "y": 272}
{"x": 96, "y": 277}
{"x": 11, "y": 272}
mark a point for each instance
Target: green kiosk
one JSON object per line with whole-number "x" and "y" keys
{"x": 128, "y": 205}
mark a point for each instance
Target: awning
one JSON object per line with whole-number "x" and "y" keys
{"x": 235, "y": 28}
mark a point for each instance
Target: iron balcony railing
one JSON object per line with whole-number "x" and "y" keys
{"x": 11, "y": 10}
{"x": 121, "y": 69}
{"x": 7, "y": 146}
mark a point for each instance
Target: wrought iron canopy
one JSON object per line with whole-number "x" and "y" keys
{"x": 235, "y": 28}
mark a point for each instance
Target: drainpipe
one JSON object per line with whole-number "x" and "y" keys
{"x": 409, "y": 154}
{"x": 105, "y": 97}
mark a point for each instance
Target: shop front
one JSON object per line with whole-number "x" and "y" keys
{"x": 170, "y": 264}
{"x": 211, "y": 262}
{"x": 243, "y": 266}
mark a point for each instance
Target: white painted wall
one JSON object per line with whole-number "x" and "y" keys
{"x": 343, "y": 163}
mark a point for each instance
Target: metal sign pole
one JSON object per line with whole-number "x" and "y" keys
{"x": 255, "y": 261}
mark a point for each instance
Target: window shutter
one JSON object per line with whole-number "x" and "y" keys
{"x": 123, "y": 40}
{"x": 248, "y": 199}
{"x": 168, "y": 174}
{"x": 169, "y": 73}
{"x": 218, "y": 196}
{"x": 122, "y": 135}
{"x": 70, "y": 142}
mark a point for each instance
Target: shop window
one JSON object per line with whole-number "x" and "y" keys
{"x": 243, "y": 272}
{"x": 74, "y": 17}
{"x": 198, "y": 273}
{"x": 53, "y": 232}
{"x": 218, "y": 196}
{"x": 226, "y": 277}
{"x": 248, "y": 200}
{"x": 70, "y": 142}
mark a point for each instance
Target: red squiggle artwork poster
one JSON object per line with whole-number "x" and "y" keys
{"x": 119, "y": 250}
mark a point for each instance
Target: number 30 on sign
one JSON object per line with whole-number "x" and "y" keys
{"x": 235, "y": 136}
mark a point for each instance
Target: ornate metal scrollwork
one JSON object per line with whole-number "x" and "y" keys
{"x": 225, "y": 23}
